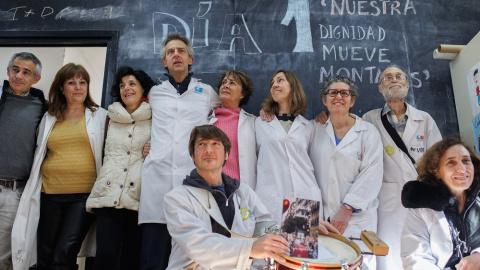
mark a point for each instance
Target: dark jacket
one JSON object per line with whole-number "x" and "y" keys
{"x": 464, "y": 226}
{"x": 224, "y": 201}
{"x": 33, "y": 91}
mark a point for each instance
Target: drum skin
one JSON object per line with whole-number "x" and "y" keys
{"x": 296, "y": 263}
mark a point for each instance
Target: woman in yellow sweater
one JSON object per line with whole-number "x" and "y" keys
{"x": 69, "y": 155}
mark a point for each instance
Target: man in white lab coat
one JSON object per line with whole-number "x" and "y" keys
{"x": 178, "y": 104}
{"x": 417, "y": 131}
{"x": 212, "y": 217}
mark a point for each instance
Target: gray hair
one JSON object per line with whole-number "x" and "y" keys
{"x": 339, "y": 78}
{"x": 176, "y": 36}
{"x": 392, "y": 66}
{"x": 28, "y": 56}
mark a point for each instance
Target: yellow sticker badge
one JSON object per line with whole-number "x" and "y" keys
{"x": 245, "y": 213}
{"x": 389, "y": 149}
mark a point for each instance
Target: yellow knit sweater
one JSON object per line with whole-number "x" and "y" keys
{"x": 69, "y": 166}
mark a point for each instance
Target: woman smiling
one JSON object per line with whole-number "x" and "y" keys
{"x": 442, "y": 229}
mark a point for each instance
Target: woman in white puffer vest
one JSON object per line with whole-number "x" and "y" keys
{"x": 116, "y": 193}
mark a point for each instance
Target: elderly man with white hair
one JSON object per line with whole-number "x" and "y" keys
{"x": 406, "y": 134}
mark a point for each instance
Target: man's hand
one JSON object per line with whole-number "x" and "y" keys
{"x": 340, "y": 220}
{"x": 324, "y": 227}
{"x": 471, "y": 262}
{"x": 268, "y": 246}
{"x": 322, "y": 117}
{"x": 265, "y": 116}
{"x": 146, "y": 150}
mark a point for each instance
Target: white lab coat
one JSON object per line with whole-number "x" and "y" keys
{"x": 350, "y": 172}
{"x": 421, "y": 132}
{"x": 247, "y": 152}
{"x": 24, "y": 233}
{"x": 284, "y": 169}
{"x": 191, "y": 229}
{"x": 167, "y": 164}
{"x": 426, "y": 240}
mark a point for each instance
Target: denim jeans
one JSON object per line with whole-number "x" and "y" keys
{"x": 9, "y": 200}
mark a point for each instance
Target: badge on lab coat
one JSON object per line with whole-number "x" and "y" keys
{"x": 389, "y": 149}
{"x": 245, "y": 213}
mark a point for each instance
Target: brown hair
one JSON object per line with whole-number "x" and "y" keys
{"x": 57, "y": 101}
{"x": 298, "y": 100}
{"x": 430, "y": 163}
{"x": 242, "y": 77}
{"x": 208, "y": 132}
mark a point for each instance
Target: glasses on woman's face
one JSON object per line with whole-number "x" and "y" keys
{"x": 391, "y": 77}
{"x": 334, "y": 92}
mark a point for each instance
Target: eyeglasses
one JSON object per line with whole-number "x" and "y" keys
{"x": 391, "y": 77}
{"x": 334, "y": 92}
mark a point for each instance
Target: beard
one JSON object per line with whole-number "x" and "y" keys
{"x": 390, "y": 93}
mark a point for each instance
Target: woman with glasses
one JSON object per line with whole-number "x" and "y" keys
{"x": 346, "y": 153}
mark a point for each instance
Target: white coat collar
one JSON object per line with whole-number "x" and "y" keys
{"x": 191, "y": 86}
{"x": 413, "y": 123}
{"x": 299, "y": 120}
{"x": 415, "y": 114}
{"x": 351, "y": 135}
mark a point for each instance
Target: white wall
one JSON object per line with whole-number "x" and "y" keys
{"x": 459, "y": 67}
{"x": 53, "y": 58}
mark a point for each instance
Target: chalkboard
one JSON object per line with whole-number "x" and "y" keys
{"x": 313, "y": 38}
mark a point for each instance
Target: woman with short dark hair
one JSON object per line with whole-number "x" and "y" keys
{"x": 234, "y": 89}
{"x": 116, "y": 194}
{"x": 348, "y": 163}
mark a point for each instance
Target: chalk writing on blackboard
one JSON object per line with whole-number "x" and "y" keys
{"x": 15, "y": 13}
{"x": 300, "y": 11}
{"x": 372, "y": 8}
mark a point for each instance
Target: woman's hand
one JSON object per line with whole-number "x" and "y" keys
{"x": 340, "y": 220}
{"x": 265, "y": 116}
{"x": 146, "y": 150}
{"x": 471, "y": 262}
{"x": 322, "y": 117}
{"x": 268, "y": 246}
{"x": 324, "y": 227}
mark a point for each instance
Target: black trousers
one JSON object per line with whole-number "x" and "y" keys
{"x": 156, "y": 246}
{"x": 64, "y": 223}
{"x": 118, "y": 239}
